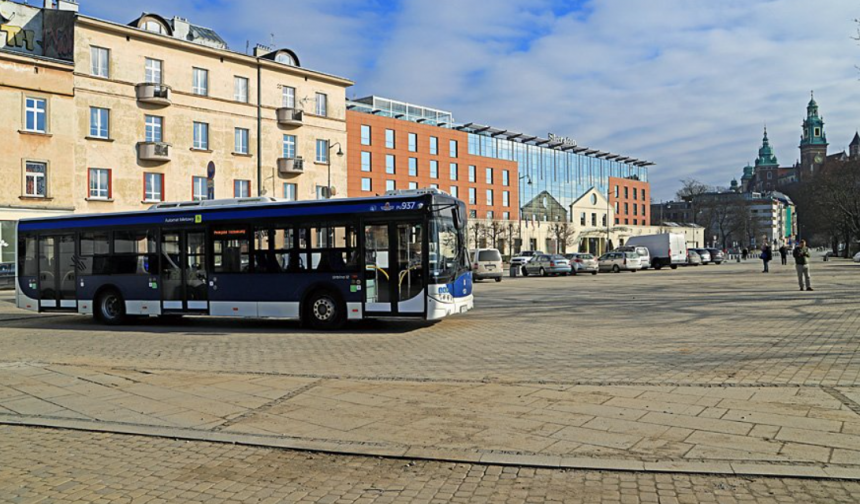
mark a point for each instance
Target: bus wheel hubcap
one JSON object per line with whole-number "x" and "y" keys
{"x": 323, "y": 308}
{"x": 111, "y": 307}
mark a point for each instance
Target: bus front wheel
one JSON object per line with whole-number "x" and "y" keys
{"x": 110, "y": 308}
{"x": 325, "y": 311}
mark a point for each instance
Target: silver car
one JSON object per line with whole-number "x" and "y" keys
{"x": 546, "y": 265}
{"x": 704, "y": 254}
{"x": 582, "y": 263}
{"x": 693, "y": 258}
{"x": 620, "y": 261}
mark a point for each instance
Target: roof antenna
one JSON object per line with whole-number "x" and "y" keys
{"x": 272, "y": 43}
{"x": 247, "y": 46}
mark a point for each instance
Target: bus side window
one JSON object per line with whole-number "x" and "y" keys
{"x": 95, "y": 250}
{"x": 134, "y": 253}
{"x": 28, "y": 260}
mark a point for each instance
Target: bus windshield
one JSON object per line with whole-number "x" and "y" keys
{"x": 446, "y": 246}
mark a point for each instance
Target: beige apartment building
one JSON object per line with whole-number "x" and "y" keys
{"x": 159, "y": 109}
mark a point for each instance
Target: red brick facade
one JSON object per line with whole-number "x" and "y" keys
{"x": 631, "y": 200}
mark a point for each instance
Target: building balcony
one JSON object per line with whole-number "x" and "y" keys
{"x": 290, "y": 117}
{"x": 290, "y": 166}
{"x": 154, "y": 94}
{"x": 153, "y": 151}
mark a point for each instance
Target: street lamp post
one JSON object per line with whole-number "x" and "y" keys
{"x": 328, "y": 163}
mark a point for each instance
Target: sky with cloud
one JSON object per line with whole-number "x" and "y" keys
{"x": 687, "y": 84}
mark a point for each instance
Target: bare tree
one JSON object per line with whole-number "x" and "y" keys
{"x": 690, "y": 189}
{"x": 563, "y": 232}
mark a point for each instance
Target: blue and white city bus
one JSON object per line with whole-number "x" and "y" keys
{"x": 322, "y": 262}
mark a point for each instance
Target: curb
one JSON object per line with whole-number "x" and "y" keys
{"x": 721, "y": 468}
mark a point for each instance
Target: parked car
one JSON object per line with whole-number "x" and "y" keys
{"x": 666, "y": 250}
{"x": 486, "y": 263}
{"x": 644, "y": 254}
{"x": 704, "y": 254}
{"x": 619, "y": 261}
{"x": 582, "y": 263}
{"x": 693, "y": 258}
{"x": 523, "y": 258}
{"x": 545, "y": 265}
{"x": 717, "y": 256}
{"x": 857, "y": 257}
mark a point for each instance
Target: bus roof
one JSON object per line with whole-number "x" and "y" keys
{"x": 238, "y": 208}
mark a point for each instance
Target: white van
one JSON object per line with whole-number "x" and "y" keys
{"x": 486, "y": 263}
{"x": 643, "y": 252}
{"x": 667, "y": 249}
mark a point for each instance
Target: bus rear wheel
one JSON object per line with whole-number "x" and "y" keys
{"x": 110, "y": 308}
{"x": 325, "y": 311}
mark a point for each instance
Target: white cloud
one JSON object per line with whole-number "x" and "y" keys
{"x": 687, "y": 85}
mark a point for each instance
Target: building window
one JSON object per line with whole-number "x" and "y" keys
{"x": 817, "y": 132}
{"x": 506, "y": 198}
{"x": 643, "y": 210}
{"x": 200, "y": 84}
{"x": 472, "y": 175}
{"x": 100, "y": 61}
{"x": 35, "y": 180}
{"x": 617, "y": 221}
{"x": 616, "y": 190}
{"x": 413, "y": 142}
{"x": 390, "y": 164}
{"x": 594, "y": 220}
{"x": 288, "y": 97}
{"x": 506, "y": 178}
{"x": 290, "y": 191}
{"x": 643, "y": 195}
{"x": 626, "y": 209}
{"x": 99, "y": 122}
{"x": 389, "y": 139}
{"x": 473, "y": 196}
{"x": 604, "y": 219}
{"x": 36, "y": 115}
{"x": 490, "y": 176}
{"x": 413, "y": 167}
{"x": 322, "y": 151}
{"x": 473, "y": 214}
{"x": 453, "y": 170}
{"x": 454, "y": 191}
{"x": 390, "y": 185}
{"x": 241, "y": 140}
{"x": 154, "y": 128}
{"x": 506, "y": 215}
{"x": 626, "y": 192}
{"x": 434, "y": 186}
{"x": 366, "y": 184}
{"x": 582, "y": 219}
{"x": 635, "y": 193}
{"x": 322, "y": 105}
{"x": 489, "y": 196}
{"x": 635, "y": 209}
{"x": 434, "y": 169}
{"x": 434, "y": 145}
{"x": 413, "y": 185}
{"x": 452, "y": 145}
{"x": 199, "y": 191}
{"x": 289, "y": 146}
{"x": 490, "y": 214}
{"x": 100, "y": 183}
{"x": 153, "y": 187}
{"x": 366, "y": 161}
{"x": 153, "y": 26}
{"x": 201, "y": 136}
{"x": 365, "y": 134}
{"x": 617, "y": 205}
{"x": 241, "y": 188}
{"x": 240, "y": 89}
{"x": 152, "y": 71}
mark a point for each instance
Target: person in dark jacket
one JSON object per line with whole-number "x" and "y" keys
{"x": 766, "y": 256}
{"x": 783, "y": 253}
{"x": 801, "y": 262}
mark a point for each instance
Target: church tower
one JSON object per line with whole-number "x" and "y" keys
{"x": 766, "y": 167}
{"x": 813, "y": 143}
{"x": 854, "y": 148}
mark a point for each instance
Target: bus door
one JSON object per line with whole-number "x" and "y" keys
{"x": 395, "y": 271}
{"x": 184, "y": 281}
{"x": 57, "y": 272}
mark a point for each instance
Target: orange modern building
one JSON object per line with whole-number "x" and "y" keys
{"x": 631, "y": 199}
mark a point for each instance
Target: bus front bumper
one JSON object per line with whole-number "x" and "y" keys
{"x": 437, "y": 310}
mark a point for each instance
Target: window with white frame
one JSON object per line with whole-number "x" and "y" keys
{"x": 489, "y": 196}
{"x": 366, "y": 184}
{"x": 506, "y": 215}
{"x": 434, "y": 169}
{"x": 490, "y": 214}
{"x": 36, "y": 180}
{"x": 100, "y": 58}
{"x": 154, "y": 128}
{"x": 99, "y": 122}
{"x": 455, "y": 191}
{"x": 241, "y": 188}
{"x": 389, "y": 139}
{"x": 434, "y": 186}
{"x": 365, "y": 134}
{"x": 506, "y": 178}
{"x": 289, "y": 146}
{"x": 35, "y": 112}
{"x": 322, "y": 105}
{"x": 472, "y": 173}
{"x": 288, "y": 97}
{"x": 240, "y": 89}
{"x": 290, "y": 191}
{"x": 200, "y": 83}
{"x": 506, "y": 198}
{"x": 489, "y": 176}
{"x": 153, "y": 71}
{"x": 434, "y": 145}
{"x": 390, "y": 164}
{"x": 413, "y": 185}
{"x": 413, "y": 142}
{"x": 413, "y": 167}
{"x": 473, "y": 196}
{"x": 241, "y": 137}
{"x": 366, "y": 158}
{"x": 322, "y": 192}
{"x": 453, "y": 148}
{"x": 153, "y": 187}
{"x": 390, "y": 185}
{"x": 453, "y": 171}
{"x": 100, "y": 187}
{"x": 201, "y": 136}
{"x": 322, "y": 151}
{"x": 199, "y": 189}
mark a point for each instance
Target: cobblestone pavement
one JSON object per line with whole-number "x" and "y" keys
{"x": 42, "y": 465}
{"x": 726, "y": 324}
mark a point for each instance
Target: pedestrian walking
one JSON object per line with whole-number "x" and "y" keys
{"x": 766, "y": 256}
{"x": 745, "y": 253}
{"x": 801, "y": 263}
{"x": 783, "y": 253}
